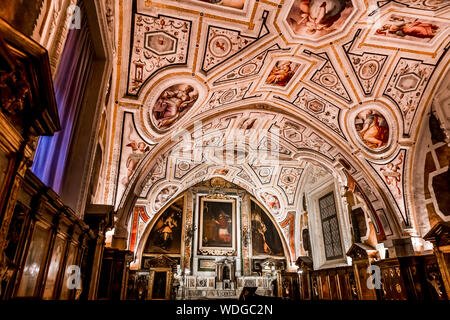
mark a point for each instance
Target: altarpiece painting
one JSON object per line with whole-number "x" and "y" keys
{"x": 217, "y": 224}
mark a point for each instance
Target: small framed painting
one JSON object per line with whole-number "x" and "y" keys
{"x": 206, "y": 264}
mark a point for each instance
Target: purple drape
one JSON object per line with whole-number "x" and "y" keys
{"x": 70, "y": 85}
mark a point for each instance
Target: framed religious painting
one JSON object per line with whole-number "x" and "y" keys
{"x": 266, "y": 240}
{"x": 166, "y": 233}
{"x": 217, "y": 234}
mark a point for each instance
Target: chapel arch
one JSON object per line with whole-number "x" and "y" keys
{"x": 342, "y": 165}
{"x": 247, "y": 200}
{"x": 431, "y": 158}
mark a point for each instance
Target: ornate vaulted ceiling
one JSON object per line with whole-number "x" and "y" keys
{"x": 340, "y": 84}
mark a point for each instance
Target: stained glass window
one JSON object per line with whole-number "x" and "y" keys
{"x": 330, "y": 227}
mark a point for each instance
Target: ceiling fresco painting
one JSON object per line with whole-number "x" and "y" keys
{"x": 172, "y": 104}
{"x": 304, "y": 91}
{"x": 158, "y": 42}
{"x": 327, "y": 78}
{"x": 281, "y": 73}
{"x": 315, "y": 18}
{"x": 132, "y": 151}
{"x": 409, "y": 28}
{"x": 249, "y": 68}
{"x": 236, "y": 4}
{"x": 372, "y": 128}
{"x": 223, "y": 43}
{"x": 432, "y": 5}
{"x": 366, "y": 67}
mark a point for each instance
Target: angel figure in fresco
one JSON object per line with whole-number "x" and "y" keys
{"x": 171, "y": 105}
{"x": 374, "y": 131}
{"x": 138, "y": 151}
{"x": 316, "y": 15}
{"x": 281, "y": 73}
{"x": 166, "y": 231}
{"x": 400, "y": 27}
{"x": 392, "y": 175}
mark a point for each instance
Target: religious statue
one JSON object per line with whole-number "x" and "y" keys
{"x": 5, "y": 269}
{"x": 286, "y": 289}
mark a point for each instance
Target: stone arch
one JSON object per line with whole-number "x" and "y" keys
{"x": 140, "y": 247}
{"x": 430, "y": 162}
{"x": 159, "y": 154}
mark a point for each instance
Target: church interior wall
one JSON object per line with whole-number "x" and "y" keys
{"x": 339, "y": 135}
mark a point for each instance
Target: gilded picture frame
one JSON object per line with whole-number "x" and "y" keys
{"x": 217, "y": 227}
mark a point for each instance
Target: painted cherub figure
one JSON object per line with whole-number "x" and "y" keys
{"x": 271, "y": 201}
{"x": 164, "y": 195}
{"x": 392, "y": 175}
{"x": 139, "y": 149}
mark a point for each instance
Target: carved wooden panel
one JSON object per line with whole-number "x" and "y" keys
{"x": 345, "y": 286}
{"x": 392, "y": 285}
{"x": 325, "y": 286}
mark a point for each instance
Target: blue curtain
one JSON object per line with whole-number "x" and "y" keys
{"x": 70, "y": 85}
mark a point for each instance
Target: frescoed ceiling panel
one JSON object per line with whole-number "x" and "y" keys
{"x": 340, "y": 81}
